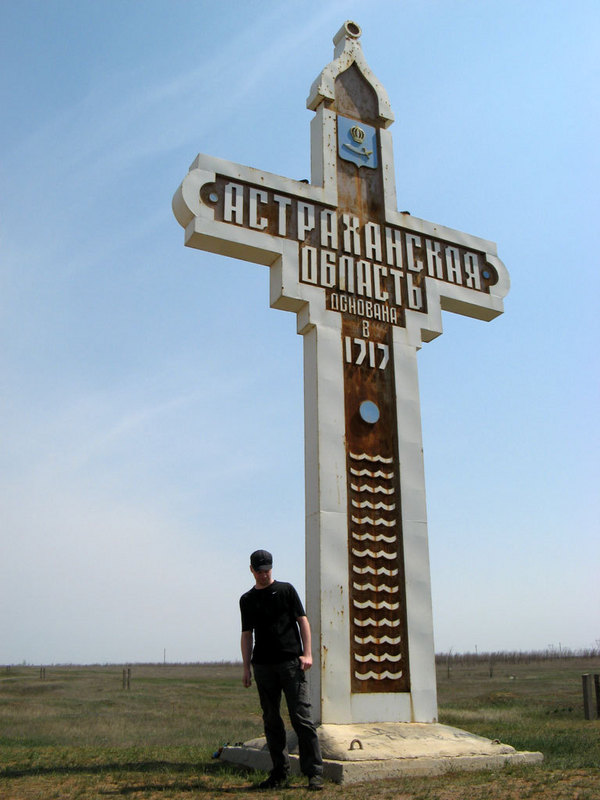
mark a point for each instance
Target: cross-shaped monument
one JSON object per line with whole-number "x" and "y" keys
{"x": 368, "y": 284}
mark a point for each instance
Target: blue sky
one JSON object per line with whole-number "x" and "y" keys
{"x": 151, "y": 409}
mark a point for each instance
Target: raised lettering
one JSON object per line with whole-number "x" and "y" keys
{"x": 346, "y": 270}
{"x": 472, "y": 271}
{"x": 329, "y": 233}
{"x": 362, "y": 347}
{"x": 453, "y": 265}
{"x": 309, "y": 262}
{"x": 397, "y": 275}
{"x": 257, "y": 196}
{"x": 393, "y": 247}
{"x": 364, "y": 284}
{"x": 327, "y": 268}
{"x": 411, "y": 261}
{"x": 306, "y": 220}
{"x": 282, "y": 202}
{"x": 379, "y": 272}
{"x": 351, "y": 237}
{"x": 371, "y": 354}
{"x": 234, "y": 203}
{"x": 386, "y": 355}
{"x": 373, "y": 241}
{"x": 435, "y": 264}
{"x": 414, "y": 294}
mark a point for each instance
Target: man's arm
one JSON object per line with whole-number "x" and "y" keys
{"x": 306, "y": 657}
{"x": 246, "y": 645}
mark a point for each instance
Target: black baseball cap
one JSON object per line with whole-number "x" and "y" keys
{"x": 261, "y": 560}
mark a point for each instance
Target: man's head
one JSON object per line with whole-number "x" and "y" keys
{"x": 261, "y": 561}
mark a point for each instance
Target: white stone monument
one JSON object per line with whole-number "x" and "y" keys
{"x": 368, "y": 284}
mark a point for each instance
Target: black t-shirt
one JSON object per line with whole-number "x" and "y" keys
{"x": 271, "y": 613}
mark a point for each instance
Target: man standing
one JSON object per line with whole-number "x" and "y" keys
{"x": 276, "y": 642}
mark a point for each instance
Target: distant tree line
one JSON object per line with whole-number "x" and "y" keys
{"x": 551, "y": 653}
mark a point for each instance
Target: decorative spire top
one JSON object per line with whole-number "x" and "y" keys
{"x": 349, "y": 30}
{"x": 348, "y": 51}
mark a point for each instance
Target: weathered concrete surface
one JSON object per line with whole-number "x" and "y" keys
{"x": 355, "y": 753}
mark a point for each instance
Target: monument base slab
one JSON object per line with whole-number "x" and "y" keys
{"x": 356, "y": 753}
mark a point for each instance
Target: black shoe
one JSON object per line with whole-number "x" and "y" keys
{"x": 315, "y": 783}
{"x": 274, "y": 782}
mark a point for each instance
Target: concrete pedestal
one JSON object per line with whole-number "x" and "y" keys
{"x": 356, "y": 753}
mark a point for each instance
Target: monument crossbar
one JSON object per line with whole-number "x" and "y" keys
{"x": 248, "y": 214}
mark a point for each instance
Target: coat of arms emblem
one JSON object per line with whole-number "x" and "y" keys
{"x": 357, "y": 142}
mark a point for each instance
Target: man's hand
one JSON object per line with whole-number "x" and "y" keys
{"x": 306, "y": 659}
{"x": 306, "y": 662}
{"x": 246, "y": 644}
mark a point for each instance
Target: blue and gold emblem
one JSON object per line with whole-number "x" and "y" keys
{"x": 357, "y": 142}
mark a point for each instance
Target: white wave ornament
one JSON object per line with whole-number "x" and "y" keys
{"x": 369, "y": 587}
{"x": 374, "y": 640}
{"x": 378, "y": 659}
{"x": 366, "y": 473}
{"x": 372, "y": 459}
{"x": 373, "y": 506}
{"x": 371, "y": 489}
{"x": 375, "y": 571}
{"x": 369, "y": 537}
{"x": 377, "y": 605}
{"x": 377, "y": 623}
{"x": 374, "y": 676}
{"x": 389, "y": 523}
{"x": 371, "y": 554}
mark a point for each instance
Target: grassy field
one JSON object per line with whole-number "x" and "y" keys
{"x": 78, "y": 734}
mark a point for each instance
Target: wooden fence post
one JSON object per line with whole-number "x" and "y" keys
{"x": 597, "y": 687}
{"x": 588, "y": 706}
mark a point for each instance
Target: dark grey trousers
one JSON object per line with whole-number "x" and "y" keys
{"x": 288, "y": 677}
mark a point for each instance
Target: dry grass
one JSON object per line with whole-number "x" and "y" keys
{"x": 78, "y": 734}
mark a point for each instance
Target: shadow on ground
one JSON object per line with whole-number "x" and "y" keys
{"x": 165, "y": 767}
